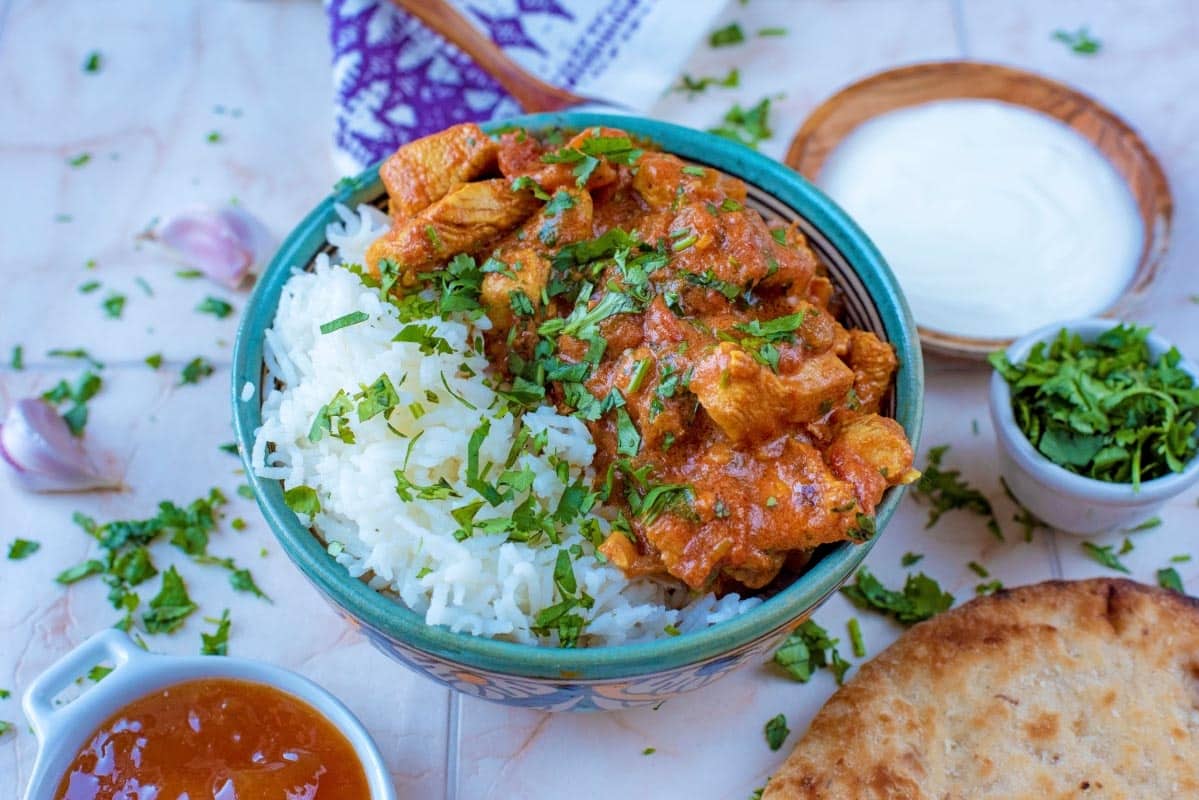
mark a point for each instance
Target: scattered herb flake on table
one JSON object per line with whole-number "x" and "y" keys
{"x": 921, "y": 598}
{"x": 694, "y": 86}
{"x": 855, "y": 637}
{"x": 195, "y": 371}
{"x": 1080, "y": 41}
{"x": 89, "y": 287}
{"x": 776, "y": 31}
{"x": 728, "y": 35}
{"x": 217, "y": 642}
{"x": 5, "y": 694}
{"x": 1168, "y": 578}
{"x": 17, "y": 359}
{"x": 1105, "y": 409}
{"x": 92, "y": 63}
{"x": 649, "y": 751}
{"x": 98, "y": 673}
{"x": 171, "y": 606}
{"x": 154, "y": 360}
{"x": 79, "y": 160}
{"x": 22, "y": 548}
{"x": 215, "y": 306}
{"x": 910, "y": 558}
{"x": 1147, "y": 525}
{"x": 6, "y": 726}
{"x": 945, "y": 490}
{"x": 114, "y": 306}
{"x": 776, "y": 731}
{"x": 213, "y": 137}
{"x": 1106, "y": 556}
{"x": 807, "y": 649}
{"x": 747, "y": 126}
{"x": 991, "y": 587}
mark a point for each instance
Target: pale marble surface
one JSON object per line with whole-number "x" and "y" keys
{"x": 169, "y": 66}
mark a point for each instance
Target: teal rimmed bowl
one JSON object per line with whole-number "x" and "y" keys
{"x": 618, "y": 676}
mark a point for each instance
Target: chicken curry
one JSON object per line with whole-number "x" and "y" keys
{"x": 736, "y": 421}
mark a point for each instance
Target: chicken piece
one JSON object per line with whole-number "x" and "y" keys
{"x": 464, "y": 221}
{"x": 750, "y": 403}
{"x": 872, "y": 453}
{"x": 873, "y": 362}
{"x": 529, "y": 274}
{"x": 566, "y": 218}
{"x": 752, "y": 506}
{"x": 524, "y": 157}
{"x": 424, "y": 171}
{"x": 662, "y": 183}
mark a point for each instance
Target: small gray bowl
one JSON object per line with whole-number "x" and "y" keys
{"x": 1067, "y": 501}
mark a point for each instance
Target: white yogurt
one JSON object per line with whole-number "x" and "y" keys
{"x": 996, "y": 219}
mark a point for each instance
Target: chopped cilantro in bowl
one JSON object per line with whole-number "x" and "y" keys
{"x": 1096, "y": 423}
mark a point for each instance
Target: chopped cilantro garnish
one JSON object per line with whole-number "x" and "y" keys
{"x": 772, "y": 31}
{"x": 747, "y": 126}
{"x": 79, "y": 160}
{"x": 78, "y": 353}
{"x": 215, "y": 306}
{"x": 89, "y": 287}
{"x": 195, "y": 371}
{"x": 1182, "y": 559}
{"x": 1105, "y": 555}
{"x": 780, "y": 329}
{"x": 649, "y": 751}
{"x": 114, "y": 305}
{"x": 910, "y": 558}
{"x": 728, "y": 35}
{"x": 79, "y": 572}
{"x": 628, "y": 440}
{"x": 189, "y": 274}
{"x": 523, "y": 182}
{"x": 708, "y": 280}
{"x": 1168, "y": 578}
{"x": 242, "y": 581}
{"x": 171, "y": 606}
{"x": 6, "y": 727}
{"x": 696, "y": 85}
{"x": 217, "y": 642}
{"x": 945, "y": 490}
{"x": 302, "y": 500}
{"x": 145, "y": 287}
{"x": 353, "y": 318}
{"x": 1105, "y": 409}
{"x": 425, "y": 337}
{"x": 991, "y": 587}
{"x": 520, "y": 303}
{"x": 920, "y": 599}
{"x": 776, "y": 731}
{"x": 92, "y": 63}
{"x": 1080, "y": 41}
{"x": 1147, "y": 525}
{"x": 213, "y": 137}
{"x": 978, "y": 569}
{"x": 21, "y": 548}
{"x": 586, "y": 157}
{"x": 409, "y": 491}
{"x": 17, "y": 359}
{"x": 855, "y": 637}
{"x": 808, "y": 649}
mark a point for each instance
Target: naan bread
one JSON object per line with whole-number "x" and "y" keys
{"x": 1084, "y": 689}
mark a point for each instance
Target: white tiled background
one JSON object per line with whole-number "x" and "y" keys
{"x": 256, "y": 71}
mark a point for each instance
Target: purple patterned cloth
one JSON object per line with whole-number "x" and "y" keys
{"x": 395, "y": 80}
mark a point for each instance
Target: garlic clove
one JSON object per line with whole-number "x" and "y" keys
{"x": 226, "y": 244}
{"x": 41, "y": 455}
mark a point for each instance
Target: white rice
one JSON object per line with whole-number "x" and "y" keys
{"x": 483, "y": 585}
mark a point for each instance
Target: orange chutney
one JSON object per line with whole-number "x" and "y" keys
{"x": 216, "y": 738}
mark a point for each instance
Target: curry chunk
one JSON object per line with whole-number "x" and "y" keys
{"x": 517, "y": 290}
{"x": 873, "y": 362}
{"x": 750, "y": 402}
{"x": 464, "y": 221}
{"x": 666, "y": 182}
{"x": 424, "y": 171}
{"x": 872, "y": 453}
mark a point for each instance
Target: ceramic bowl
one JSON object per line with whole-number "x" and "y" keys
{"x": 62, "y": 729}
{"x": 1066, "y": 501}
{"x": 837, "y": 117}
{"x": 624, "y": 675}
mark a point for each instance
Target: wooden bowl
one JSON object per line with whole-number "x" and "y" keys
{"x": 898, "y": 88}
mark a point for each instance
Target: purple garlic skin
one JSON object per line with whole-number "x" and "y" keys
{"x": 226, "y": 244}
{"x": 40, "y": 454}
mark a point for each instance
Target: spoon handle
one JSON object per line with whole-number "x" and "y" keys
{"x": 529, "y": 91}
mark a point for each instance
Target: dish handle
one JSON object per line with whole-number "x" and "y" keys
{"x": 110, "y": 645}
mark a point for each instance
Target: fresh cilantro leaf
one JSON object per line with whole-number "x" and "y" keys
{"x": 171, "y": 606}
{"x": 807, "y": 649}
{"x": 79, "y": 160}
{"x": 241, "y": 580}
{"x": 93, "y": 62}
{"x": 98, "y": 673}
{"x": 945, "y": 490}
{"x": 1080, "y": 41}
{"x": 17, "y": 359}
{"x": 114, "y": 305}
{"x": 80, "y": 571}
{"x": 921, "y": 598}
{"x": 747, "y": 126}
{"x": 154, "y": 361}
{"x": 728, "y": 35}
{"x": 1169, "y": 578}
{"x": 776, "y": 731}
{"x": 910, "y": 558}
{"x": 302, "y": 500}
{"x": 195, "y": 371}
{"x": 695, "y": 86}
{"x": 1106, "y": 556}
{"x": 855, "y": 637}
{"x": 217, "y": 307}
{"x": 217, "y": 642}
{"x": 22, "y": 548}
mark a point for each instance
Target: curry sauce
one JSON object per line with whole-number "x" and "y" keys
{"x": 736, "y": 421}
{"x": 216, "y": 738}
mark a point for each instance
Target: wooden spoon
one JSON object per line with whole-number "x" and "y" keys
{"x": 529, "y": 91}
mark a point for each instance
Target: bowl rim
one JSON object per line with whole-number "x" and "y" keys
{"x": 1156, "y": 236}
{"x": 610, "y": 662}
{"x": 1055, "y": 476}
{"x": 136, "y": 673}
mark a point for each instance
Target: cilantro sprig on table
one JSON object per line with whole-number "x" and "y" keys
{"x": 946, "y": 490}
{"x": 920, "y": 599}
{"x": 1105, "y": 409}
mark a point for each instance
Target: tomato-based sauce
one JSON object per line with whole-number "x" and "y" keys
{"x": 216, "y": 739}
{"x": 737, "y": 422}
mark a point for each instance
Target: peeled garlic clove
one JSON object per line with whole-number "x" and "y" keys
{"x": 225, "y": 244}
{"x": 41, "y": 455}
